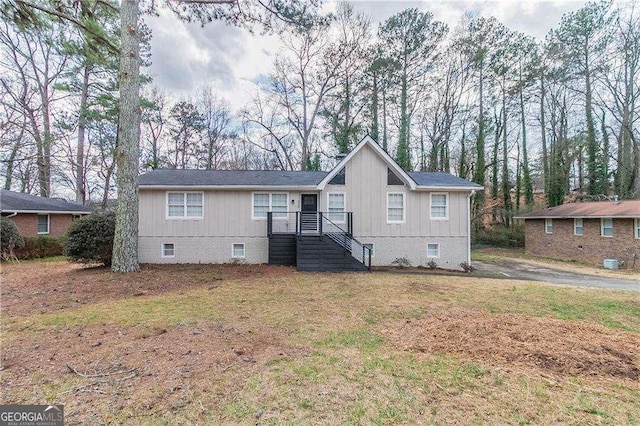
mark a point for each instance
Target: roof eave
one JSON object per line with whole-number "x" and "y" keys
{"x": 581, "y": 216}
{"x": 232, "y": 187}
{"x": 447, "y": 188}
{"x": 45, "y": 211}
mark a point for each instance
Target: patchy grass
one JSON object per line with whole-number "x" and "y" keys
{"x": 244, "y": 344}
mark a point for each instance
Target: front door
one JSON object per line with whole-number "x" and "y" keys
{"x": 309, "y": 213}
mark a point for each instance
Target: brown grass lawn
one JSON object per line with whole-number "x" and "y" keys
{"x": 256, "y": 344}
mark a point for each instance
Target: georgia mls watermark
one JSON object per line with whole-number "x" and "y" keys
{"x": 31, "y": 415}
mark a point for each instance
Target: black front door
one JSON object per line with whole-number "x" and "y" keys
{"x": 309, "y": 213}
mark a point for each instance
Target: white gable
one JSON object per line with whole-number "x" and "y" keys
{"x": 381, "y": 153}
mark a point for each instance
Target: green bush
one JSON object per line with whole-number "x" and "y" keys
{"x": 41, "y": 246}
{"x": 501, "y": 236}
{"x": 90, "y": 239}
{"x": 9, "y": 236}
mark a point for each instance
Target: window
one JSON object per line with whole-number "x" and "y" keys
{"x": 439, "y": 206}
{"x": 393, "y": 179}
{"x": 606, "y": 227}
{"x": 637, "y": 228}
{"x": 43, "y": 224}
{"x": 336, "y": 207}
{"x": 548, "y": 226}
{"x": 184, "y": 205}
{"x": 265, "y": 202}
{"x": 395, "y": 207}
{"x": 433, "y": 250}
{"x": 578, "y": 228}
{"x": 237, "y": 251}
{"x": 168, "y": 250}
{"x": 371, "y": 248}
{"x": 339, "y": 178}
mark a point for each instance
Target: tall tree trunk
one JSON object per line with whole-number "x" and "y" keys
{"x": 385, "y": 143}
{"x": 478, "y": 175}
{"x": 374, "y": 108}
{"x": 543, "y": 137}
{"x": 593, "y": 163}
{"x": 506, "y": 187}
{"x": 525, "y": 173}
{"x": 125, "y": 242}
{"x": 81, "y": 194}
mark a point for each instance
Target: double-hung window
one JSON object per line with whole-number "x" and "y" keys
{"x": 578, "y": 227}
{"x": 637, "y": 228}
{"x": 336, "y": 207}
{"x": 548, "y": 226}
{"x": 43, "y": 224}
{"x": 264, "y": 202}
{"x": 185, "y": 205}
{"x": 439, "y": 206}
{"x": 395, "y": 207}
{"x": 606, "y": 227}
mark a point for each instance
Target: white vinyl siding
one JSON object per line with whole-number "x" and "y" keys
{"x": 578, "y": 227}
{"x": 43, "y": 223}
{"x": 395, "y": 207}
{"x": 336, "y": 206}
{"x": 185, "y": 205}
{"x": 433, "y": 250}
{"x": 548, "y": 226}
{"x": 606, "y": 227}
{"x": 439, "y": 206}
{"x": 237, "y": 251}
{"x": 264, "y": 202}
{"x": 168, "y": 250}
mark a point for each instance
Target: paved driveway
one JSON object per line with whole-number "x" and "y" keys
{"x": 512, "y": 269}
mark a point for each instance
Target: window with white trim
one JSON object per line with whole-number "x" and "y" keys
{"x": 439, "y": 205}
{"x": 606, "y": 227}
{"x": 637, "y": 228}
{"x": 237, "y": 250}
{"x": 264, "y": 202}
{"x": 168, "y": 250}
{"x": 371, "y": 248}
{"x": 578, "y": 227}
{"x": 433, "y": 250}
{"x": 185, "y": 205}
{"x": 395, "y": 207}
{"x": 548, "y": 226}
{"x": 336, "y": 207}
{"x": 43, "y": 223}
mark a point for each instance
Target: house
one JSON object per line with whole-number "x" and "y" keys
{"x": 586, "y": 232}
{"x": 365, "y": 211}
{"x": 39, "y": 215}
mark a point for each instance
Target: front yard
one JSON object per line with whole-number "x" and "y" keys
{"x": 244, "y": 344}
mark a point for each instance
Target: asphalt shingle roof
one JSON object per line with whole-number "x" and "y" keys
{"x": 16, "y": 201}
{"x": 171, "y": 177}
{"x": 441, "y": 179}
{"x": 625, "y": 208}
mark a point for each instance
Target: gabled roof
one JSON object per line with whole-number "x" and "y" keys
{"x": 408, "y": 180}
{"x": 17, "y": 202}
{"x": 230, "y": 178}
{"x": 594, "y": 209}
{"x": 267, "y": 179}
{"x": 435, "y": 180}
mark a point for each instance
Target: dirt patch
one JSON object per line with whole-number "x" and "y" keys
{"x": 50, "y": 287}
{"x": 547, "y": 344}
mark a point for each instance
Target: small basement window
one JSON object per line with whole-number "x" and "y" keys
{"x": 606, "y": 227}
{"x": 371, "y": 248}
{"x": 168, "y": 250}
{"x": 548, "y": 226}
{"x": 43, "y": 224}
{"x": 433, "y": 250}
{"x": 237, "y": 251}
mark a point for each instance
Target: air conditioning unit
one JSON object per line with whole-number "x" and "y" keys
{"x": 610, "y": 263}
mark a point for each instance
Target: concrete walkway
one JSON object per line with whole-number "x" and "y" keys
{"x": 512, "y": 269}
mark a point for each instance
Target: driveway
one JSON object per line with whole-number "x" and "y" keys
{"x": 512, "y": 269}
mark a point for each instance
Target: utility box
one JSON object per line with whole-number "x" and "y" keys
{"x": 610, "y": 263}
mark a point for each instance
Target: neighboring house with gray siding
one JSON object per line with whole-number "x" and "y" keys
{"x": 366, "y": 208}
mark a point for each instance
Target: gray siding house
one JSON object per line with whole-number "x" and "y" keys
{"x": 366, "y": 208}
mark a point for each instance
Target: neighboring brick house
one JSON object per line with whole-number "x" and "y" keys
{"x": 39, "y": 215}
{"x": 586, "y": 232}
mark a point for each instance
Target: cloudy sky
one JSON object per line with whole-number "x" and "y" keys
{"x": 188, "y": 56}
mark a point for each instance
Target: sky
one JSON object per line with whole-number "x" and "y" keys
{"x": 186, "y": 57}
